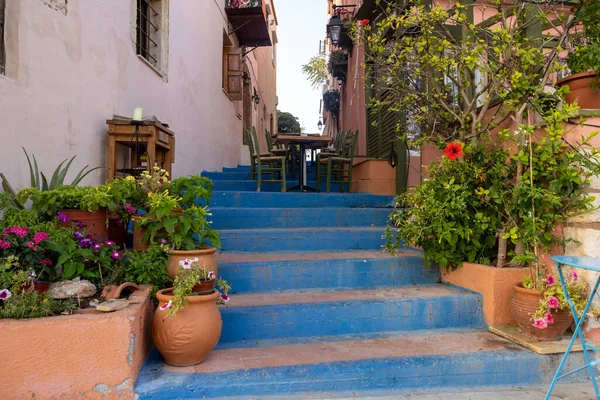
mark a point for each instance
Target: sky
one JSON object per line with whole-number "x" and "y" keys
{"x": 301, "y": 27}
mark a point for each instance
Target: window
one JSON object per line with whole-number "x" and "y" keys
{"x": 2, "y": 50}
{"x": 232, "y": 70}
{"x": 149, "y": 33}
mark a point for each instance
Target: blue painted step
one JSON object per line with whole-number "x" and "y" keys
{"x": 252, "y": 218}
{"x": 249, "y": 185}
{"x": 307, "y": 314}
{"x": 245, "y": 176}
{"x": 352, "y": 270}
{"x": 298, "y": 200}
{"x": 246, "y": 168}
{"x": 423, "y": 361}
{"x": 301, "y": 239}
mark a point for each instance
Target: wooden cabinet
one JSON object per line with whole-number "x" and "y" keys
{"x": 155, "y": 139}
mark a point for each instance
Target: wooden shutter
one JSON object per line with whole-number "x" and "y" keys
{"x": 232, "y": 74}
{"x": 2, "y": 7}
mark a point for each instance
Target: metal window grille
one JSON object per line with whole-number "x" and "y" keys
{"x": 2, "y": 50}
{"x": 145, "y": 31}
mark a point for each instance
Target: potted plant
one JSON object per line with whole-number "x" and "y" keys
{"x": 127, "y": 197}
{"x": 177, "y": 222}
{"x": 584, "y": 60}
{"x": 540, "y": 308}
{"x": 338, "y": 64}
{"x": 187, "y": 323}
{"x": 331, "y": 101}
{"x": 85, "y": 206}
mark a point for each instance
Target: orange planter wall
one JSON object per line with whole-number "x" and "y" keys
{"x": 94, "y": 356}
{"x": 494, "y": 284}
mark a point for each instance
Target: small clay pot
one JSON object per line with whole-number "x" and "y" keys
{"x": 581, "y": 90}
{"x": 524, "y": 303}
{"x": 117, "y": 231}
{"x": 41, "y": 287}
{"x": 204, "y": 287}
{"x": 206, "y": 259}
{"x": 95, "y": 222}
{"x": 139, "y": 244}
{"x": 186, "y": 338}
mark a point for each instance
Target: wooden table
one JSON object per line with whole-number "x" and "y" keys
{"x": 312, "y": 142}
{"x": 158, "y": 140}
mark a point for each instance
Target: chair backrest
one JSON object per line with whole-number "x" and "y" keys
{"x": 338, "y": 141}
{"x": 255, "y": 139}
{"x": 250, "y": 142}
{"x": 349, "y": 144}
{"x": 269, "y": 141}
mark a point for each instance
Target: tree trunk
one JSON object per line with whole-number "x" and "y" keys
{"x": 502, "y": 249}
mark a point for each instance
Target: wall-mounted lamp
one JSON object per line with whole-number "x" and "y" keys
{"x": 246, "y": 78}
{"x": 393, "y": 160}
{"x": 320, "y": 124}
{"x": 334, "y": 29}
{"x": 255, "y": 97}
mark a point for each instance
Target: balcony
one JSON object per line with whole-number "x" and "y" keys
{"x": 249, "y": 21}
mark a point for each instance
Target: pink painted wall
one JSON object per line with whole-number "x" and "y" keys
{"x": 66, "y": 74}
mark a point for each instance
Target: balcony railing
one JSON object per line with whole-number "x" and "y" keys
{"x": 249, "y": 21}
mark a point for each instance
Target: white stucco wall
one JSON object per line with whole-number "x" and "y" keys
{"x": 67, "y": 74}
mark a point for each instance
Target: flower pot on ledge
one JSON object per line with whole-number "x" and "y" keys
{"x": 205, "y": 255}
{"x": 524, "y": 303}
{"x": 95, "y": 222}
{"x": 581, "y": 90}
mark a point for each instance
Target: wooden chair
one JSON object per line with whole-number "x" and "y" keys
{"x": 274, "y": 151}
{"x": 261, "y": 163}
{"x": 334, "y": 151}
{"x": 340, "y": 165}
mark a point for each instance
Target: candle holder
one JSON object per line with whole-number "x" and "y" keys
{"x": 135, "y": 169}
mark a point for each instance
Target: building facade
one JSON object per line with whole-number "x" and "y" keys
{"x": 197, "y": 66}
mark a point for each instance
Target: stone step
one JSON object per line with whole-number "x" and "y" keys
{"x": 422, "y": 360}
{"x": 301, "y": 239}
{"x": 251, "y": 185}
{"x": 254, "y": 218}
{"x": 295, "y": 314}
{"x": 255, "y": 199}
{"x": 256, "y": 273}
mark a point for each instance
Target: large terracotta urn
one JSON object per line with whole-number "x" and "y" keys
{"x": 524, "y": 303}
{"x": 581, "y": 90}
{"x": 186, "y": 338}
{"x": 205, "y": 255}
{"x": 95, "y": 222}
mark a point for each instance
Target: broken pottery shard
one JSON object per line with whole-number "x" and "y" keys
{"x": 112, "y": 305}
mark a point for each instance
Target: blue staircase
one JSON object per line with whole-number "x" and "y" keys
{"x": 318, "y": 309}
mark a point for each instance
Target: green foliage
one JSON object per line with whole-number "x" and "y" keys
{"x": 147, "y": 267}
{"x": 39, "y": 180}
{"x": 316, "y": 70}
{"x": 287, "y": 123}
{"x": 586, "y": 56}
{"x": 193, "y": 189}
{"x": 336, "y": 57}
{"x": 48, "y": 203}
{"x": 331, "y": 101}
{"x": 31, "y": 304}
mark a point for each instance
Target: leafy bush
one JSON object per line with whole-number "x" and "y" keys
{"x": 48, "y": 203}
{"x": 147, "y": 267}
{"x": 586, "y": 56}
{"x": 331, "y": 101}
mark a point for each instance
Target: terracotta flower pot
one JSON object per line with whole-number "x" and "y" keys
{"x": 204, "y": 286}
{"x": 95, "y": 222}
{"x": 206, "y": 258}
{"x": 188, "y": 337}
{"x": 524, "y": 303}
{"x": 581, "y": 90}
{"x": 41, "y": 287}
{"x": 117, "y": 231}
{"x": 139, "y": 244}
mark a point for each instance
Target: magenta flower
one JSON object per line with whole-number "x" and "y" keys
{"x": 550, "y": 280}
{"x": 20, "y": 231}
{"x": 40, "y": 237}
{"x": 109, "y": 243}
{"x": 78, "y": 235}
{"x": 163, "y": 241}
{"x": 97, "y": 246}
{"x": 540, "y": 323}
{"x": 4, "y": 245}
{"x": 224, "y": 297}
{"x": 166, "y": 306}
{"x": 46, "y": 261}
{"x": 116, "y": 255}
{"x": 549, "y": 318}
{"x": 553, "y": 302}
{"x": 129, "y": 208}
{"x": 5, "y": 294}
{"x": 573, "y": 275}
{"x": 62, "y": 217}
{"x": 32, "y": 245}
{"x": 211, "y": 275}
{"x": 86, "y": 260}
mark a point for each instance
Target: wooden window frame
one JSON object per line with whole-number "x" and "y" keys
{"x": 232, "y": 72}
{"x": 144, "y": 29}
{"x": 2, "y": 41}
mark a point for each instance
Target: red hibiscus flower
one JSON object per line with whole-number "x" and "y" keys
{"x": 453, "y": 150}
{"x": 363, "y": 22}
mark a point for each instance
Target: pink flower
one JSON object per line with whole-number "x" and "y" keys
{"x": 166, "y": 306}
{"x": 46, "y": 261}
{"x": 549, "y": 318}
{"x": 224, "y": 297}
{"x": 20, "y": 231}
{"x": 109, "y": 243}
{"x": 553, "y": 302}
{"x": 62, "y": 217}
{"x": 4, "y": 245}
{"x": 116, "y": 255}
{"x": 40, "y": 237}
{"x": 573, "y": 275}
{"x": 550, "y": 280}
{"x": 5, "y": 294}
{"x": 97, "y": 246}
{"x": 540, "y": 323}
{"x": 129, "y": 209}
{"x": 211, "y": 275}
{"x": 32, "y": 245}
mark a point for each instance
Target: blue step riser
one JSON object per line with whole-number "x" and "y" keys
{"x": 327, "y": 274}
{"x": 235, "y": 186}
{"x": 488, "y": 368}
{"x": 349, "y": 317}
{"x": 252, "y": 218}
{"x": 245, "y": 176}
{"x": 274, "y": 241}
{"x": 246, "y": 168}
{"x": 297, "y": 200}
